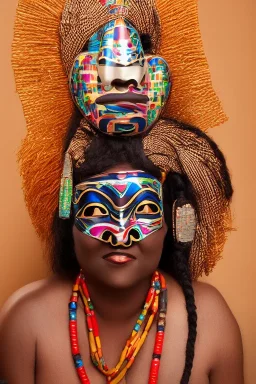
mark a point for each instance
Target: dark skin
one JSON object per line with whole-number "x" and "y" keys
{"x": 34, "y": 336}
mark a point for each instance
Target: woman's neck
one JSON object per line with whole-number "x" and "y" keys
{"x": 114, "y": 304}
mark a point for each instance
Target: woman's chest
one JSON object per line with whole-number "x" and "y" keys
{"x": 55, "y": 363}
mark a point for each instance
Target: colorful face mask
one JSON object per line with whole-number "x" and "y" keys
{"x": 119, "y": 208}
{"x": 118, "y": 88}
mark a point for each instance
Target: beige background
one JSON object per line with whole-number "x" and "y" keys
{"x": 229, "y": 40}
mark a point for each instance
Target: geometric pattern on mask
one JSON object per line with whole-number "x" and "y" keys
{"x": 119, "y": 7}
{"x": 119, "y": 208}
{"x": 193, "y": 98}
{"x": 117, "y": 47}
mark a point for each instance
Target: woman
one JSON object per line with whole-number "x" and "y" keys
{"x": 35, "y": 323}
{"x": 124, "y": 244}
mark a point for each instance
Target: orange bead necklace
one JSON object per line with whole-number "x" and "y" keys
{"x": 134, "y": 343}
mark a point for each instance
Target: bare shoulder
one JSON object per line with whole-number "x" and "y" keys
{"x": 21, "y": 319}
{"x": 211, "y": 305}
{"x": 21, "y": 298}
{"x": 34, "y": 297}
{"x": 212, "y": 308}
{"x": 218, "y": 345}
{"x": 24, "y": 308}
{"x": 218, "y": 328}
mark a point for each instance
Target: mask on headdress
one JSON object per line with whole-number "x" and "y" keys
{"x": 118, "y": 88}
{"x": 119, "y": 208}
{"x": 114, "y": 34}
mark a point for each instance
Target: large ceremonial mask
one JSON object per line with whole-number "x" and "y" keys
{"x": 119, "y": 208}
{"x": 118, "y": 88}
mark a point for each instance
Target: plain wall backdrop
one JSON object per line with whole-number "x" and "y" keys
{"x": 229, "y": 40}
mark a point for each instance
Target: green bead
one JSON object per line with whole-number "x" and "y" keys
{"x": 137, "y": 327}
{"x": 65, "y": 198}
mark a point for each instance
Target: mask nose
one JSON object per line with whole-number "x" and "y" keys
{"x": 119, "y": 240}
{"x": 121, "y": 54}
{"x": 121, "y": 85}
{"x": 121, "y": 77}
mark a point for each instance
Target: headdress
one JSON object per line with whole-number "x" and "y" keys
{"x": 42, "y": 83}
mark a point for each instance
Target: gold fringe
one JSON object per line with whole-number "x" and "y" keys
{"x": 193, "y": 99}
{"x": 187, "y": 153}
{"x": 42, "y": 87}
{"x": 80, "y": 142}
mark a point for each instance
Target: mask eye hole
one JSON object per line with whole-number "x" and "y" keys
{"x": 85, "y": 47}
{"x": 93, "y": 211}
{"x": 146, "y": 42}
{"x": 148, "y": 208}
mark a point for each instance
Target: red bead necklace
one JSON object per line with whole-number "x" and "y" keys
{"x": 156, "y": 302}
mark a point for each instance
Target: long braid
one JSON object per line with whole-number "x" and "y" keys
{"x": 176, "y": 264}
{"x": 174, "y": 261}
{"x": 182, "y": 275}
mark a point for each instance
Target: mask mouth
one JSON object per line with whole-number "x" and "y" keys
{"x": 130, "y": 97}
{"x": 124, "y": 127}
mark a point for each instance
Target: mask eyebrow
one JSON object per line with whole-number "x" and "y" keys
{"x": 105, "y": 196}
{"x": 109, "y": 174}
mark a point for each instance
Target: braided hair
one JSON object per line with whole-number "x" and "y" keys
{"x": 174, "y": 260}
{"x": 104, "y": 153}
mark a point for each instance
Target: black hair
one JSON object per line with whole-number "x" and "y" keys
{"x": 106, "y": 152}
{"x": 175, "y": 257}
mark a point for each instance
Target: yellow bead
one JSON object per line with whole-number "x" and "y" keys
{"x": 141, "y": 342}
{"x": 130, "y": 362}
{"x": 137, "y": 335}
{"x": 122, "y": 358}
{"x": 92, "y": 343}
{"x": 100, "y": 353}
{"x": 150, "y": 321}
{"x": 83, "y": 297}
{"x": 98, "y": 343}
{"x": 119, "y": 377}
{"x": 155, "y": 305}
{"x": 97, "y": 357}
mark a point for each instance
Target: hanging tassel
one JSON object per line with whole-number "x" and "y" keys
{"x": 66, "y": 188}
{"x": 183, "y": 221}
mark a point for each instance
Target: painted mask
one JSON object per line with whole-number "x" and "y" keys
{"x": 118, "y": 88}
{"x": 119, "y": 208}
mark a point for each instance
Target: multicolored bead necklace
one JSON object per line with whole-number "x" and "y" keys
{"x": 156, "y": 302}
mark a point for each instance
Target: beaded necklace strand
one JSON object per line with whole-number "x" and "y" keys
{"x": 156, "y": 302}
